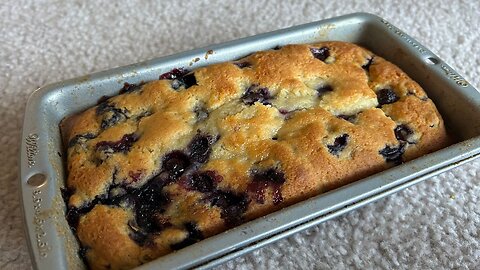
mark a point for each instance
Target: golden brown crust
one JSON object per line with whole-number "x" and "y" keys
{"x": 313, "y": 123}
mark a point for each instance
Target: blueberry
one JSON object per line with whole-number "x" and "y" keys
{"x": 130, "y": 87}
{"x": 232, "y": 205}
{"x": 393, "y": 154}
{"x": 349, "y": 118}
{"x": 66, "y": 193}
{"x": 81, "y": 139}
{"x": 202, "y": 181}
{"x": 74, "y": 214}
{"x": 324, "y": 89}
{"x": 115, "y": 116}
{"x": 201, "y": 113}
{"x": 179, "y": 77}
{"x": 149, "y": 202}
{"x": 73, "y": 217}
{"x": 194, "y": 235}
{"x": 123, "y": 145}
{"x": 403, "y": 133}
{"x": 140, "y": 237}
{"x": 368, "y": 64}
{"x": 103, "y": 99}
{"x": 82, "y": 253}
{"x": 104, "y": 107}
{"x": 242, "y": 64}
{"x": 254, "y": 93}
{"x": 199, "y": 148}
{"x": 338, "y": 145}
{"x": 110, "y": 114}
{"x": 117, "y": 194}
{"x": 173, "y": 74}
{"x": 189, "y": 80}
{"x": 186, "y": 81}
{"x": 175, "y": 163}
{"x": 320, "y": 53}
{"x": 386, "y": 96}
{"x": 283, "y": 111}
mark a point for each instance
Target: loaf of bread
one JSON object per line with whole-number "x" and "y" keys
{"x": 170, "y": 162}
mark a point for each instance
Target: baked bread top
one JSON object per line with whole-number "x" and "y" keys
{"x": 172, "y": 161}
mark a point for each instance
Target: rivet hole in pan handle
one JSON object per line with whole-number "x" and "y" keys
{"x": 429, "y": 57}
{"x": 446, "y": 70}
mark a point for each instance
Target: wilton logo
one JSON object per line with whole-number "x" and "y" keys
{"x": 454, "y": 76}
{"x": 32, "y": 148}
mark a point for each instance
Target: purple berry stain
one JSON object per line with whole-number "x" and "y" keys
{"x": 136, "y": 176}
{"x": 283, "y": 111}
{"x": 150, "y": 201}
{"x": 123, "y": 145}
{"x": 261, "y": 180}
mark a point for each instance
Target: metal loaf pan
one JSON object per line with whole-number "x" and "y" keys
{"x": 52, "y": 244}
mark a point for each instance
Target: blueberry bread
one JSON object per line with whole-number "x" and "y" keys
{"x": 165, "y": 164}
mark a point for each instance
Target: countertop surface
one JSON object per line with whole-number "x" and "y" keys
{"x": 433, "y": 225}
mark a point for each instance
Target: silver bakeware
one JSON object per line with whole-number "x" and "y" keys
{"x": 52, "y": 244}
